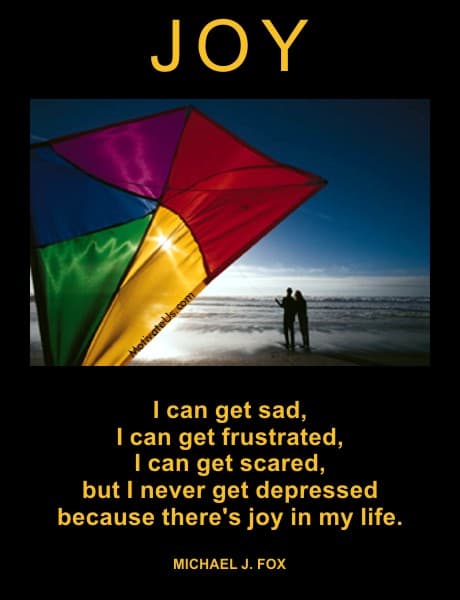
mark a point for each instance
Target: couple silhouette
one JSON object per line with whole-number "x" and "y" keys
{"x": 293, "y": 306}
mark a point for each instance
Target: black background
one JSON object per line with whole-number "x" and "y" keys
{"x": 379, "y": 412}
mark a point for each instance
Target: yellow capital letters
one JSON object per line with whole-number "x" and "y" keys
{"x": 284, "y": 45}
{"x": 243, "y": 45}
{"x": 175, "y": 51}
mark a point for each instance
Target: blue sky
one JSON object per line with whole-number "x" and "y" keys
{"x": 367, "y": 232}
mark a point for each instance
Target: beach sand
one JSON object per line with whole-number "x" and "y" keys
{"x": 275, "y": 358}
{"x": 246, "y": 331}
{"x": 282, "y": 358}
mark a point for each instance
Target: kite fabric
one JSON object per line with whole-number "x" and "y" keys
{"x": 130, "y": 219}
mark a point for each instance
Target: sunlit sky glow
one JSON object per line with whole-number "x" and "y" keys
{"x": 246, "y": 280}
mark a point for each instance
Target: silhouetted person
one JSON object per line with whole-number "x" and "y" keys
{"x": 289, "y": 306}
{"x": 301, "y": 306}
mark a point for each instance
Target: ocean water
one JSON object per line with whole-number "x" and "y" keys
{"x": 216, "y": 326}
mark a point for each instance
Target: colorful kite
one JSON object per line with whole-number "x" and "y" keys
{"x": 131, "y": 221}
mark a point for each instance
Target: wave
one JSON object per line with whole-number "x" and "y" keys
{"x": 220, "y": 299}
{"x": 213, "y": 324}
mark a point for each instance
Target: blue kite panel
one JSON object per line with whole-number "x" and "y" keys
{"x": 66, "y": 202}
